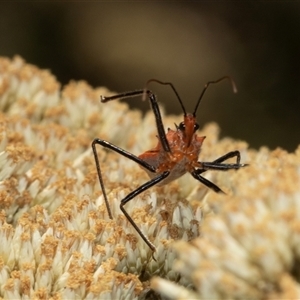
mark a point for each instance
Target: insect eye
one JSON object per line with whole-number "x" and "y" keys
{"x": 196, "y": 127}
{"x": 181, "y": 126}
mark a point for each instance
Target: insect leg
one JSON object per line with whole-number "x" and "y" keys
{"x": 206, "y": 182}
{"x": 121, "y": 151}
{"x": 154, "y": 107}
{"x": 229, "y": 155}
{"x": 133, "y": 194}
{"x": 217, "y": 164}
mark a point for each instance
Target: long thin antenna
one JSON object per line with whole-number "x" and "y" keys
{"x": 173, "y": 88}
{"x": 211, "y": 82}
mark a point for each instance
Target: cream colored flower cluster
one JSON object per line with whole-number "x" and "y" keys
{"x": 250, "y": 239}
{"x": 57, "y": 241}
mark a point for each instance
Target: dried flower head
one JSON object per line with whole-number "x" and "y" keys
{"x": 250, "y": 239}
{"x": 58, "y": 241}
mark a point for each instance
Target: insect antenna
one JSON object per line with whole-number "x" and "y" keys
{"x": 212, "y": 82}
{"x": 165, "y": 83}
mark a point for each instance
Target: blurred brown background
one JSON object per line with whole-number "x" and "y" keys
{"x": 123, "y": 44}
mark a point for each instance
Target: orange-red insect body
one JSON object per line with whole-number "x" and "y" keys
{"x": 176, "y": 153}
{"x": 185, "y": 148}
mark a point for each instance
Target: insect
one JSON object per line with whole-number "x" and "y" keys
{"x": 175, "y": 154}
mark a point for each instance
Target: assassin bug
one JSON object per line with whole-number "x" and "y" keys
{"x": 176, "y": 153}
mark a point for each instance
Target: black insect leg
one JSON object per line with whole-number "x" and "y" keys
{"x": 121, "y": 151}
{"x": 228, "y": 155}
{"x": 132, "y": 195}
{"x": 155, "y": 108}
{"x": 217, "y": 165}
{"x": 206, "y": 182}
